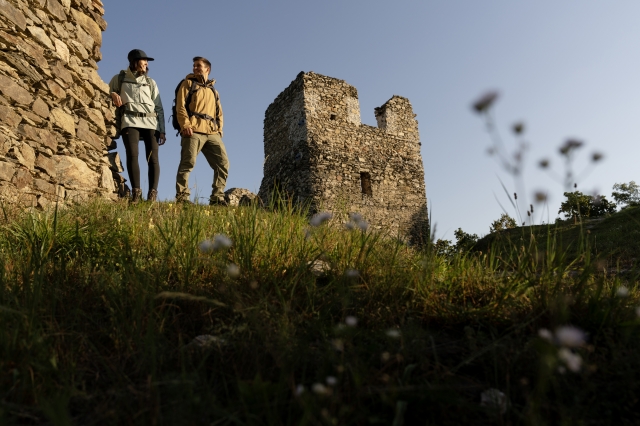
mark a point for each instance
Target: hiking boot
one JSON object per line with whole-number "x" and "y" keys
{"x": 218, "y": 202}
{"x": 153, "y": 195}
{"x": 136, "y": 195}
{"x": 183, "y": 199}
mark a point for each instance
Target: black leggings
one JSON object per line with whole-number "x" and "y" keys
{"x": 131, "y": 136}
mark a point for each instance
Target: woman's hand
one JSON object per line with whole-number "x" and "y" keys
{"x": 162, "y": 139}
{"x": 117, "y": 101}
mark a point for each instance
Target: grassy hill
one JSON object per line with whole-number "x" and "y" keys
{"x": 612, "y": 242}
{"x": 145, "y": 314}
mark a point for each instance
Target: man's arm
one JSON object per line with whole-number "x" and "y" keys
{"x": 158, "y": 107}
{"x": 181, "y": 111}
{"x": 219, "y": 116}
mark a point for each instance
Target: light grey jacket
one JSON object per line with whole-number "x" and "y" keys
{"x": 139, "y": 94}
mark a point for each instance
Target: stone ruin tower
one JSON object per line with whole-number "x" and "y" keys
{"x": 56, "y": 117}
{"x": 318, "y": 152}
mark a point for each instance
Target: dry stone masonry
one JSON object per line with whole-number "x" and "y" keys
{"x": 56, "y": 117}
{"x": 318, "y": 152}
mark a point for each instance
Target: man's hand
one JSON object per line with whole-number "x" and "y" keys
{"x": 162, "y": 139}
{"x": 187, "y": 132}
{"x": 117, "y": 101}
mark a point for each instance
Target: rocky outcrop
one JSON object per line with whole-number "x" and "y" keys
{"x": 56, "y": 117}
{"x": 239, "y": 197}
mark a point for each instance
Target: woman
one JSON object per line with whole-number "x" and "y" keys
{"x": 140, "y": 116}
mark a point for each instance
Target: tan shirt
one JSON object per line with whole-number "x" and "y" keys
{"x": 203, "y": 101}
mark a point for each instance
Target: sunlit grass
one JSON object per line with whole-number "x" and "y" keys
{"x": 159, "y": 313}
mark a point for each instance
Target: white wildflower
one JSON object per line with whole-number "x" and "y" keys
{"x": 394, "y": 333}
{"x": 355, "y": 217}
{"x": 221, "y": 241}
{"x": 570, "y": 336}
{"x": 206, "y": 340}
{"x": 351, "y": 321}
{"x": 338, "y": 344}
{"x": 206, "y": 246}
{"x": 331, "y": 380}
{"x": 545, "y": 334}
{"x": 320, "y": 389}
{"x": 356, "y": 221}
{"x": 494, "y": 400}
{"x": 233, "y": 270}
{"x": 320, "y": 218}
{"x": 622, "y": 291}
{"x": 571, "y": 360}
{"x": 299, "y": 390}
{"x": 352, "y": 273}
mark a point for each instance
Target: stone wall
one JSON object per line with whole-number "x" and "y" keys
{"x": 318, "y": 151}
{"x": 56, "y": 117}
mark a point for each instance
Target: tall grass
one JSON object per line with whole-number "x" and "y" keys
{"x": 101, "y": 305}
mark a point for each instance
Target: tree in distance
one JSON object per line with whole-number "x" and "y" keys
{"x": 578, "y": 204}
{"x": 626, "y": 194}
{"x": 505, "y": 222}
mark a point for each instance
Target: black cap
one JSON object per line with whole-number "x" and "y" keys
{"x": 136, "y": 54}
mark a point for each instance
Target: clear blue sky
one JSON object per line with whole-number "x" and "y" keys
{"x": 567, "y": 69}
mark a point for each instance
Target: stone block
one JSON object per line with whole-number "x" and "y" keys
{"x": 86, "y": 135}
{"x": 62, "y": 50}
{"x": 56, "y": 9}
{"x": 29, "y": 117}
{"x": 12, "y": 14}
{"x": 95, "y": 116}
{"x": 89, "y": 25}
{"x": 48, "y": 139}
{"x": 95, "y": 79}
{"x": 61, "y": 72}
{"x": 80, "y": 49}
{"x": 115, "y": 162}
{"x": 28, "y": 156}
{"x": 44, "y": 186}
{"x": 46, "y": 164}
{"x": 8, "y": 116}
{"x": 74, "y": 173}
{"x": 6, "y": 170}
{"x": 85, "y": 39}
{"x": 56, "y": 90}
{"x": 63, "y": 120}
{"x": 22, "y": 178}
{"x": 5, "y": 144}
{"x": 40, "y": 108}
{"x": 106, "y": 179}
{"x": 41, "y": 36}
{"x": 12, "y": 90}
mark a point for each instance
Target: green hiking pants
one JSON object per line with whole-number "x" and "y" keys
{"x": 214, "y": 151}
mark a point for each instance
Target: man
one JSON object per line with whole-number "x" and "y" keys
{"x": 201, "y": 129}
